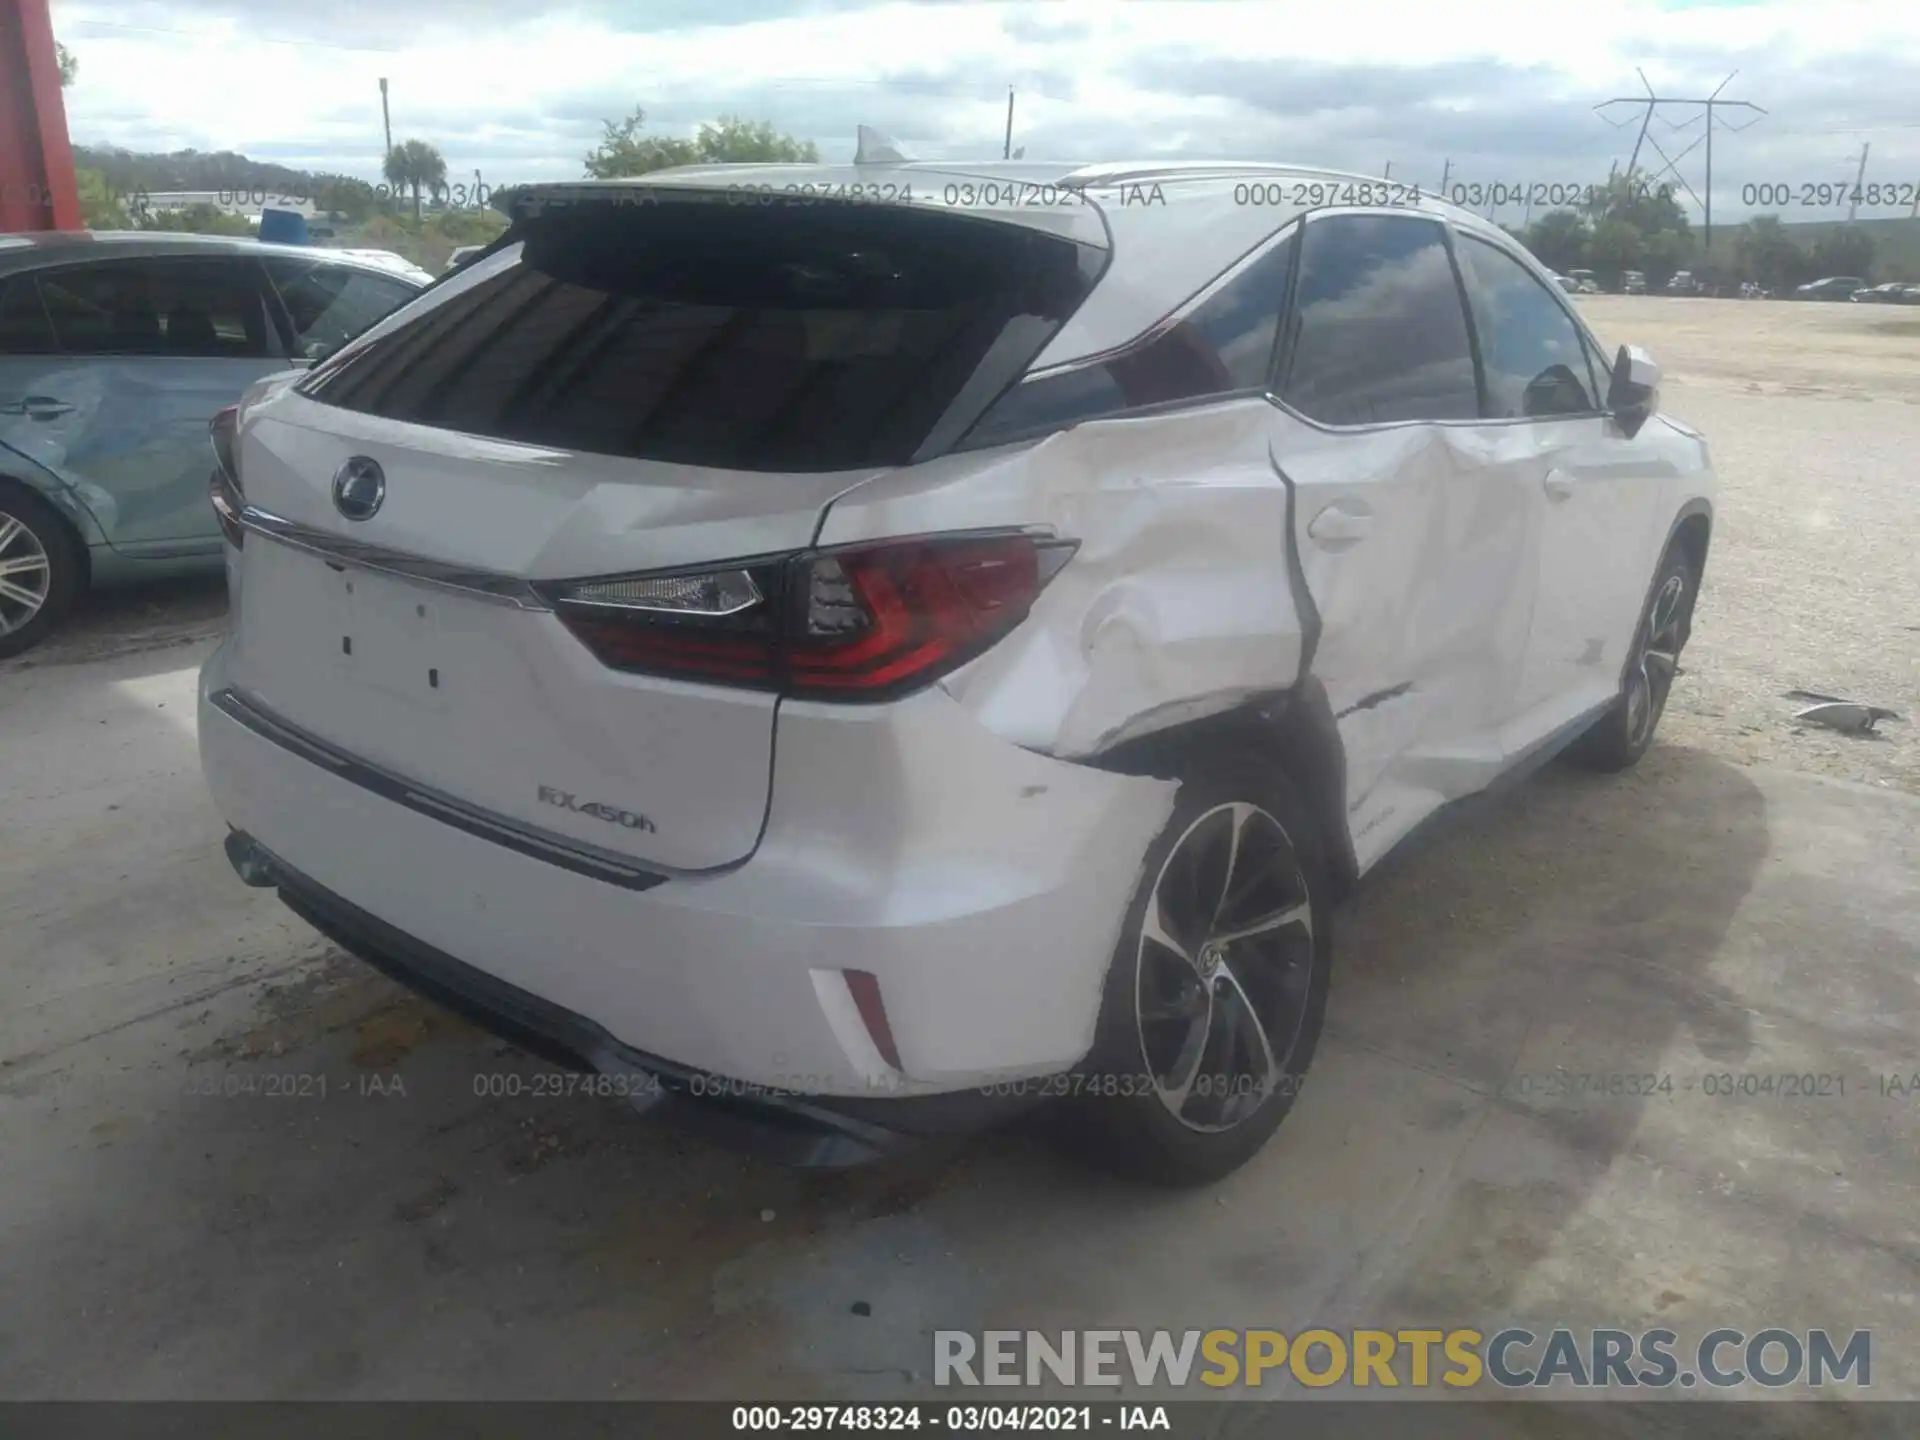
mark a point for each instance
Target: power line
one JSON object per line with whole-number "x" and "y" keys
{"x": 1653, "y": 103}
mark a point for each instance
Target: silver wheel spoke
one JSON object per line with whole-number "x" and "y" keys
{"x": 1177, "y": 1085}
{"x": 9, "y": 529}
{"x": 1301, "y": 914}
{"x": 20, "y": 595}
{"x": 1250, "y": 1017}
{"x": 23, "y": 565}
{"x": 1154, "y": 927}
{"x": 1204, "y": 1037}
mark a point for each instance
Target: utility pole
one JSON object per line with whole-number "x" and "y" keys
{"x": 1853, "y": 201}
{"x": 1446, "y": 172}
{"x": 1652, "y": 102}
{"x": 1006, "y": 152}
{"x": 385, "y": 118}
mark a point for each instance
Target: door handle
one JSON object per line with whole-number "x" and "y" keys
{"x": 37, "y": 407}
{"x": 1342, "y": 525}
{"x": 1558, "y": 484}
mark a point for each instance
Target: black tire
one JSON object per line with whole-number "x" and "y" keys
{"x": 1621, "y": 735}
{"x": 31, "y": 529}
{"x": 1121, "y": 1115}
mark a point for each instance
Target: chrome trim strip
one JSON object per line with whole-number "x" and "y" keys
{"x": 489, "y": 585}
{"x": 589, "y": 860}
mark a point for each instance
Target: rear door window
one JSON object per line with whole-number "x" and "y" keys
{"x": 742, "y": 337}
{"x": 209, "y": 306}
{"x": 1223, "y": 346}
{"x": 1379, "y": 333}
{"x": 24, "y": 327}
{"x": 329, "y": 303}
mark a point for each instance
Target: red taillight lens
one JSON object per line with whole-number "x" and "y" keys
{"x": 223, "y": 486}
{"x": 894, "y": 613}
{"x": 864, "y": 623}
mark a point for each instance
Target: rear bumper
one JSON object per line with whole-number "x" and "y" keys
{"x": 981, "y": 886}
{"x": 798, "y": 1130}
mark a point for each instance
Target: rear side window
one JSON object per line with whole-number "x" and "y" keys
{"x": 1222, "y": 346}
{"x": 803, "y": 339}
{"x": 1379, "y": 333}
{"x": 329, "y": 304}
{"x": 24, "y": 327}
{"x": 210, "y": 307}
{"x": 1533, "y": 354}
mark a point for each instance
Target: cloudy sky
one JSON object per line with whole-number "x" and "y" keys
{"x": 1503, "y": 89}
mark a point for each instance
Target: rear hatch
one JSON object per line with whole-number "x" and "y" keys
{"x": 622, "y": 389}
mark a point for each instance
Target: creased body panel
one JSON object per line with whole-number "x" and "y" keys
{"x": 1416, "y": 544}
{"x": 1177, "y": 603}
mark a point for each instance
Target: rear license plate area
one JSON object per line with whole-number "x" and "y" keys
{"x": 390, "y": 638}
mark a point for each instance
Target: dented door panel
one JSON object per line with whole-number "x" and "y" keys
{"x": 1424, "y": 615}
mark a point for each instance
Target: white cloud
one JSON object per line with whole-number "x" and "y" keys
{"x": 1501, "y": 90}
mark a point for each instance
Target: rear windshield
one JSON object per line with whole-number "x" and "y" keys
{"x": 792, "y": 338}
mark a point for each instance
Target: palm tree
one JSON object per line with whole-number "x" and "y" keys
{"x": 415, "y": 164}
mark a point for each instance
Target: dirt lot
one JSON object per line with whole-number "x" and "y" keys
{"x": 1813, "y": 582}
{"x": 378, "y": 1225}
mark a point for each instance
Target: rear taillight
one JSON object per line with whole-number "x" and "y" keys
{"x": 223, "y": 486}
{"x": 863, "y": 623}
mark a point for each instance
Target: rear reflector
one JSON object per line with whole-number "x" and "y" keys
{"x": 864, "y": 623}
{"x": 865, "y": 989}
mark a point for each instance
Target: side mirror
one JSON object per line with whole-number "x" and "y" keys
{"x": 1634, "y": 393}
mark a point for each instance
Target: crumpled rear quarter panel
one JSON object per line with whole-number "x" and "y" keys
{"x": 1178, "y": 603}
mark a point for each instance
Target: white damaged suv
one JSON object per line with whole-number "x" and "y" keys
{"x": 849, "y": 652}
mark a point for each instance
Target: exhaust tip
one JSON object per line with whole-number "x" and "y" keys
{"x": 250, "y": 862}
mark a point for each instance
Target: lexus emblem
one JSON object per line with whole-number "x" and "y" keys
{"x": 359, "y": 487}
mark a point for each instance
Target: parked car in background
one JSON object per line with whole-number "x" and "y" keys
{"x": 1886, "y": 293}
{"x": 1681, "y": 282}
{"x": 845, "y": 669}
{"x": 1585, "y": 282}
{"x": 1633, "y": 282}
{"x": 387, "y": 260}
{"x": 1909, "y": 295}
{"x": 116, "y": 349}
{"x": 1566, "y": 283}
{"x": 1834, "y": 287}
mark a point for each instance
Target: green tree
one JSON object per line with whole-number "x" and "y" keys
{"x": 732, "y": 140}
{"x": 1560, "y": 239}
{"x": 69, "y": 64}
{"x": 415, "y": 165}
{"x": 1767, "y": 256}
{"x": 198, "y": 219}
{"x": 1663, "y": 252}
{"x": 1845, "y": 251}
{"x": 354, "y": 201}
{"x": 1616, "y": 246}
{"x": 625, "y": 150}
{"x": 100, "y": 207}
{"x": 1648, "y": 206}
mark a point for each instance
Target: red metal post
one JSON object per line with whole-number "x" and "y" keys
{"x": 37, "y": 188}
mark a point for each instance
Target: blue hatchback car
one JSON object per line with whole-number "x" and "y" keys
{"x": 115, "y": 351}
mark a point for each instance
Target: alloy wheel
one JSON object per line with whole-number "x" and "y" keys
{"x": 26, "y": 574}
{"x": 1658, "y": 660}
{"x": 1224, "y": 968}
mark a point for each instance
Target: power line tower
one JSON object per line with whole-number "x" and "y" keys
{"x": 1707, "y": 106}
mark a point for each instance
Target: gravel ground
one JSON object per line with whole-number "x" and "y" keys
{"x": 1813, "y": 411}
{"x": 1813, "y": 580}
